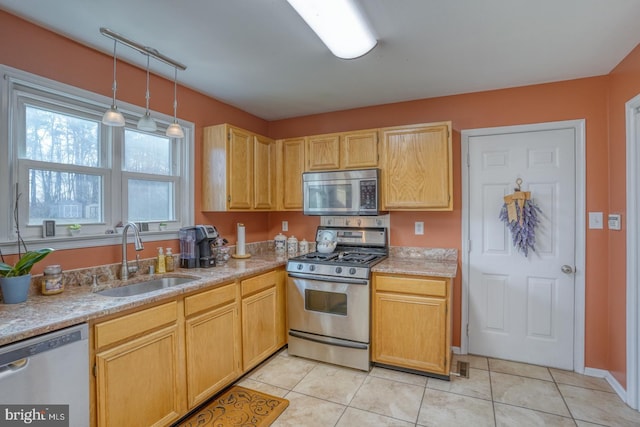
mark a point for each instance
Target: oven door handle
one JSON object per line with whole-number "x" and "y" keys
{"x": 336, "y": 342}
{"x": 329, "y": 278}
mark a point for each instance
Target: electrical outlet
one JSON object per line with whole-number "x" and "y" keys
{"x": 285, "y": 225}
{"x": 419, "y": 228}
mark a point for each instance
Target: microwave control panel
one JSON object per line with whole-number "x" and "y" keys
{"x": 368, "y": 194}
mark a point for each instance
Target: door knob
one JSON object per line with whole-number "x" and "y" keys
{"x": 567, "y": 269}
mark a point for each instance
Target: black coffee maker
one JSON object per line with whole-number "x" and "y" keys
{"x": 195, "y": 246}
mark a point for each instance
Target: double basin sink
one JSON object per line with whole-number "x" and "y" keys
{"x": 146, "y": 286}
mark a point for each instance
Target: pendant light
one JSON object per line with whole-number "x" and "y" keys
{"x": 175, "y": 130}
{"x": 113, "y": 117}
{"x": 146, "y": 122}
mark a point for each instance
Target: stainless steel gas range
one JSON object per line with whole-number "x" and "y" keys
{"x": 328, "y": 297}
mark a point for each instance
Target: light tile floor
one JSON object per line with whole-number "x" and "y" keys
{"x": 497, "y": 393}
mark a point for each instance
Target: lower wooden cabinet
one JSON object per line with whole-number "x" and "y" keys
{"x": 154, "y": 365}
{"x": 411, "y": 324}
{"x": 260, "y": 318}
{"x": 212, "y": 342}
{"x": 139, "y": 380}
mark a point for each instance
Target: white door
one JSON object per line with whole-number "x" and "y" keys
{"x": 522, "y": 308}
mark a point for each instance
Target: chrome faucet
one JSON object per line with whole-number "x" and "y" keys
{"x": 125, "y": 269}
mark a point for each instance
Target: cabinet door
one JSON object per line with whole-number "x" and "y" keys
{"x": 410, "y": 331}
{"x": 323, "y": 152}
{"x": 290, "y": 169}
{"x": 240, "y": 169}
{"x": 359, "y": 150}
{"x": 264, "y": 160}
{"x": 417, "y": 172}
{"x": 213, "y": 352}
{"x": 259, "y": 327}
{"x": 139, "y": 382}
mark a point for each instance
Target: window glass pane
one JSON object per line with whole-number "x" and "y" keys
{"x": 60, "y": 138}
{"x": 65, "y": 197}
{"x": 147, "y": 153}
{"x": 150, "y": 200}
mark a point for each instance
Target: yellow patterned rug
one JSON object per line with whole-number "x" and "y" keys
{"x": 237, "y": 407}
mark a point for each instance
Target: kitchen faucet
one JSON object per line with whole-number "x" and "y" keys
{"x": 125, "y": 269}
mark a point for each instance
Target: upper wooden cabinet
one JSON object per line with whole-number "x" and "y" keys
{"x": 417, "y": 167}
{"x": 238, "y": 170}
{"x": 347, "y": 150}
{"x": 290, "y": 163}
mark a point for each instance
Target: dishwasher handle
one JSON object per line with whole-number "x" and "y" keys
{"x": 13, "y": 367}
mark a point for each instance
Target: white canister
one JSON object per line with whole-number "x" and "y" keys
{"x": 304, "y": 247}
{"x": 280, "y": 242}
{"x": 292, "y": 245}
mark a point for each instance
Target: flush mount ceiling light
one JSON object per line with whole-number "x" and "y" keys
{"x": 146, "y": 122}
{"x": 339, "y": 24}
{"x": 175, "y": 130}
{"x": 113, "y": 117}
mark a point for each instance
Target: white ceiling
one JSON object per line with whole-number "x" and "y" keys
{"x": 260, "y": 56}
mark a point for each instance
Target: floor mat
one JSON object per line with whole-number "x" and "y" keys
{"x": 237, "y": 407}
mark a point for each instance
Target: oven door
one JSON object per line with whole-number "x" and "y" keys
{"x": 336, "y": 308}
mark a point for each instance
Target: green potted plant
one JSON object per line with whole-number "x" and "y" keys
{"x": 16, "y": 279}
{"x": 74, "y": 229}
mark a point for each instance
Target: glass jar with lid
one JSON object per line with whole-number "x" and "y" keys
{"x": 280, "y": 242}
{"x": 52, "y": 282}
{"x": 292, "y": 245}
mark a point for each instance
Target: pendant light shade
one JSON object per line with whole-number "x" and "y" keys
{"x": 146, "y": 122}
{"x": 175, "y": 130}
{"x": 113, "y": 117}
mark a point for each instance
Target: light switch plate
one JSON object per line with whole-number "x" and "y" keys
{"x": 595, "y": 220}
{"x": 613, "y": 221}
{"x": 419, "y": 228}
{"x": 285, "y": 225}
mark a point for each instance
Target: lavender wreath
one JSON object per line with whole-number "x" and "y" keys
{"x": 523, "y": 226}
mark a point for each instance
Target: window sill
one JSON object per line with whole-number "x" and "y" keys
{"x": 85, "y": 241}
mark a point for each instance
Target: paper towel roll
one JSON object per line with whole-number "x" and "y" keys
{"x": 240, "y": 243}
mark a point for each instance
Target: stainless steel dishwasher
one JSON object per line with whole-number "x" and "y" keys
{"x": 50, "y": 369}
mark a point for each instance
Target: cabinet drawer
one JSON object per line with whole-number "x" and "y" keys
{"x": 209, "y": 299}
{"x": 134, "y": 324}
{"x": 258, "y": 283}
{"x": 412, "y": 285}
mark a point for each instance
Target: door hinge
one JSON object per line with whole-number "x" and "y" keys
{"x": 229, "y": 198}
{"x": 95, "y": 370}
{"x": 229, "y": 136}
{"x": 468, "y": 246}
{"x": 467, "y": 329}
{"x": 468, "y": 160}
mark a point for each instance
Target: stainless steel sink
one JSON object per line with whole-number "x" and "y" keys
{"x": 144, "y": 287}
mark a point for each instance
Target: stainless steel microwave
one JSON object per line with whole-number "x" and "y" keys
{"x": 349, "y": 192}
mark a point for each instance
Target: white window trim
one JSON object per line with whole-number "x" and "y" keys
{"x": 9, "y": 173}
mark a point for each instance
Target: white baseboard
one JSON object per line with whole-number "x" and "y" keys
{"x": 601, "y": 373}
{"x": 456, "y": 350}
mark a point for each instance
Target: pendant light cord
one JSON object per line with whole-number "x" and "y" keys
{"x": 147, "y": 96}
{"x": 114, "y": 88}
{"x": 175, "y": 94}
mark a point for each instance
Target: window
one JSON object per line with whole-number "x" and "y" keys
{"x": 68, "y": 167}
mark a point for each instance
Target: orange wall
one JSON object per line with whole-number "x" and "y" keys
{"x": 41, "y": 52}
{"x": 625, "y": 84}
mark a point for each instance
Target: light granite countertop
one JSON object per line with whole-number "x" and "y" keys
{"x": 79, "y": 303}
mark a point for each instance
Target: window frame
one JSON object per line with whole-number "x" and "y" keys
{"x": 19, "y": 88}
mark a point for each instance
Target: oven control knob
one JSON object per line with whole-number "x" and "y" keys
{"x": 312, "y": 267}
{"x": 299, "y": 267}
{"x": 352, "y": 270}
{"x": 338, "y": 270}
